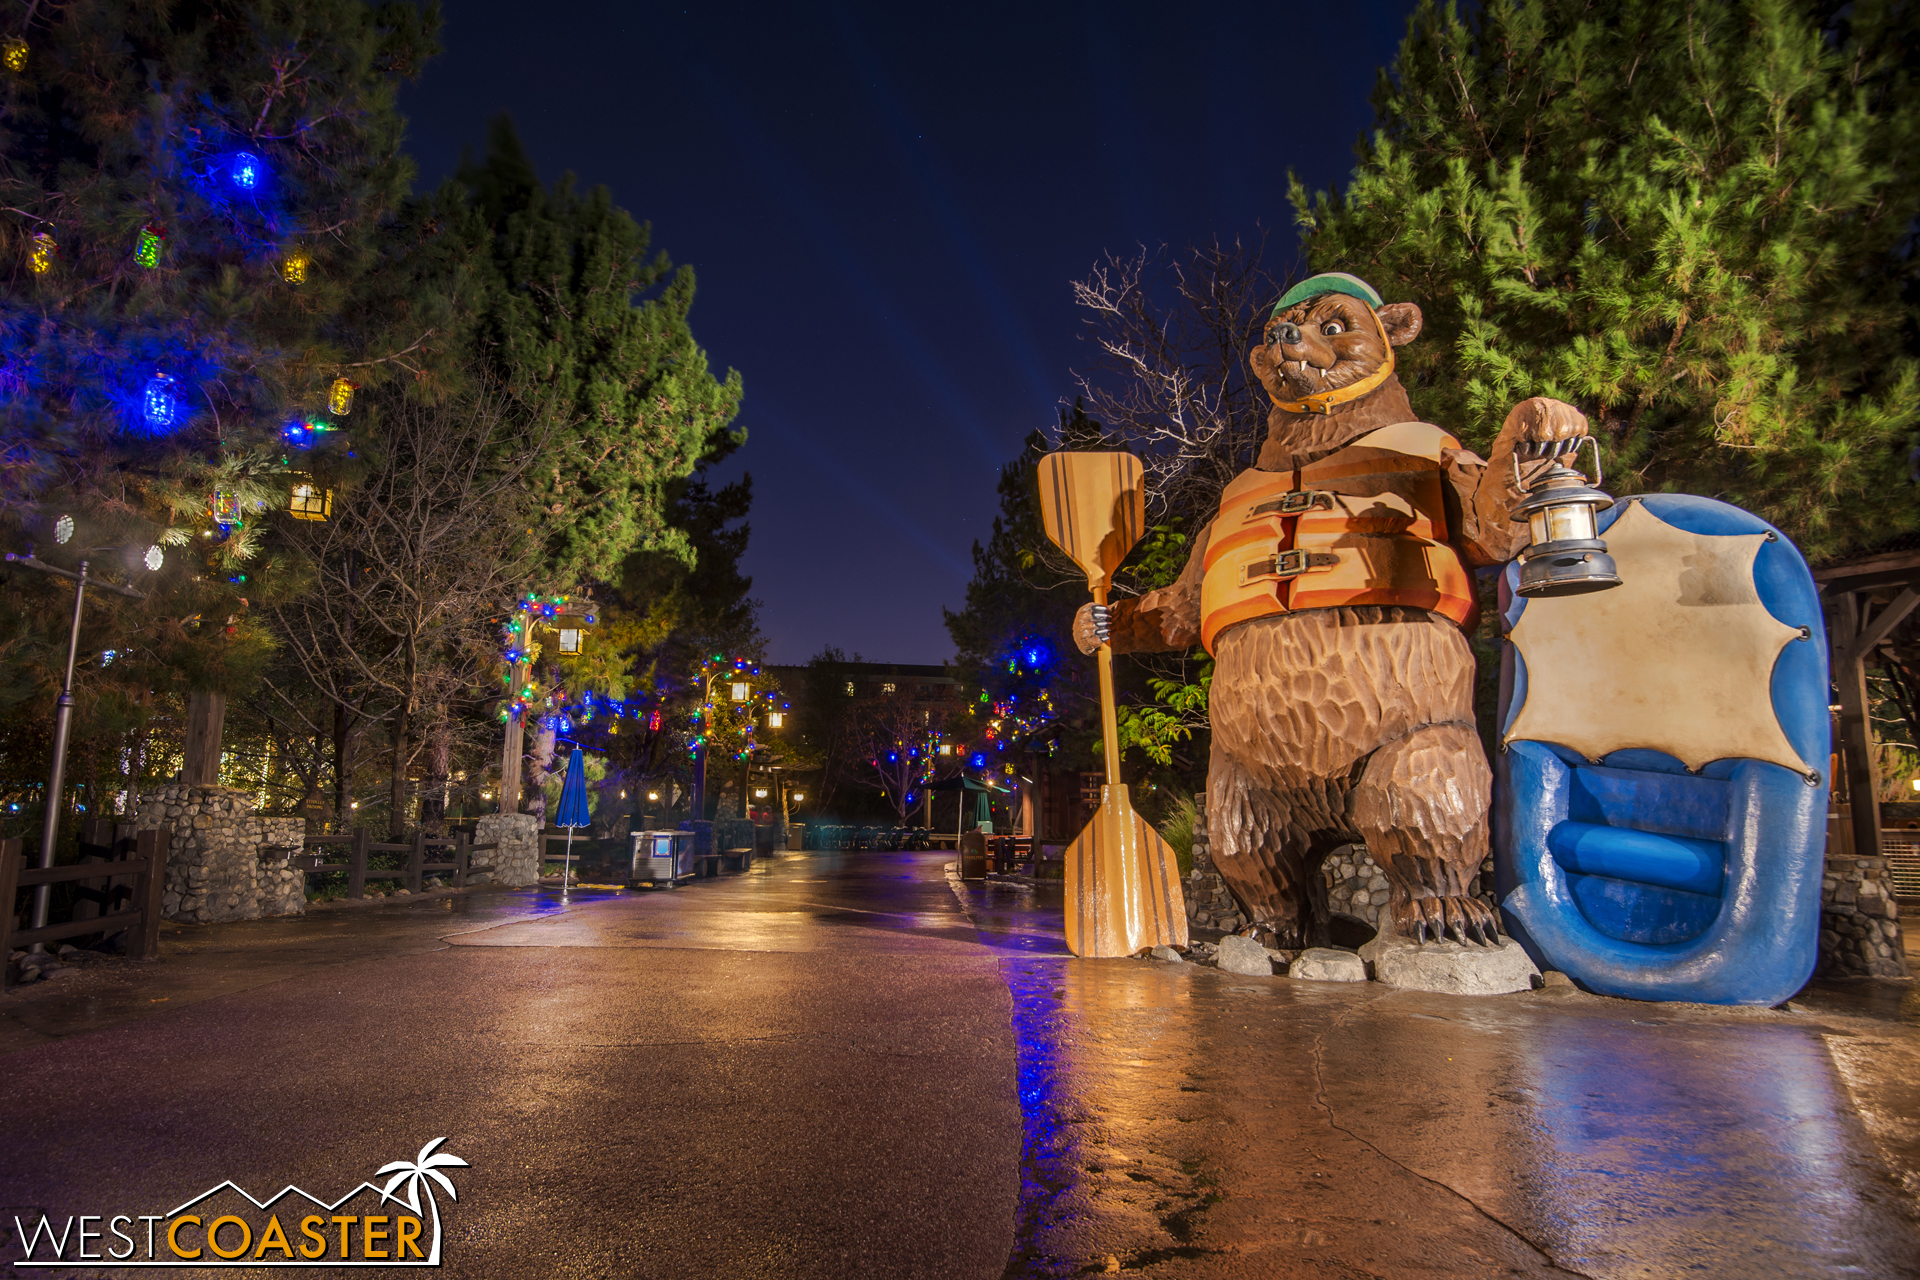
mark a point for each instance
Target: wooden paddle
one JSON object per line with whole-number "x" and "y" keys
{"x": 1123, "y": 882}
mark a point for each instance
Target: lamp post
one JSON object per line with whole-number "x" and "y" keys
{"x": 63, "y": 713}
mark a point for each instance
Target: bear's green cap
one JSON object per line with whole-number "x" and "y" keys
{"x": 1330, "y": 282}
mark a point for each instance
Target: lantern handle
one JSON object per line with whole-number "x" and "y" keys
{"x": 1573, "y": 456}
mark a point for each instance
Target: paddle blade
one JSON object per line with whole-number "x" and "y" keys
{"x": 1123, "y": 885}
{"x": 1094, "y": 508}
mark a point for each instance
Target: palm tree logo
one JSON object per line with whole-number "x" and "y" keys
{"x": 415, "y": 1174}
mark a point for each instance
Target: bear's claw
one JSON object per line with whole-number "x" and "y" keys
{"x": 1468, "y": 919}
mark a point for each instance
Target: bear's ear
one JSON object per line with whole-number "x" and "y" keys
{"x": 1401, "y": 320}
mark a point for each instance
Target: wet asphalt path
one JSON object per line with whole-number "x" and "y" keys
{"x": 837, "y": 1065}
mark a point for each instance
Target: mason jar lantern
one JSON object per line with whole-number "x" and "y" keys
{"x": 1567, "y": 556}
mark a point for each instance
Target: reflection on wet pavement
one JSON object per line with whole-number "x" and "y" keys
{"x": 1181, "y": 1121}
{"x": 1175, "y": 1121}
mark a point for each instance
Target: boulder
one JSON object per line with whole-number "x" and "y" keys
{"x": 1382, "y": 943}
{"x": 1244, "y": 956}
{"x": 1169, "y": 955}
{"x": 1456, "y": 968}
{"x": 1324, "y": 964}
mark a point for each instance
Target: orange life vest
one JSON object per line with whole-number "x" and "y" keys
{"x": 1365, "y": 525}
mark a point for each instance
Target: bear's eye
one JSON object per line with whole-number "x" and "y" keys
{"x": 1332, "y": 327}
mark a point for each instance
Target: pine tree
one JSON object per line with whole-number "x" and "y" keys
{"x": 194, "y": 197}
{"x": 579, "y": 320}
{"x": 1695, "y": 221}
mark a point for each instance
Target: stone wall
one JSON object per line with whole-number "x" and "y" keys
{"x": 1356, "y": 886}
{"x": 517, "y": 861}
{"x": 1210, "y": 904}
{"x": 216, "y": 869}
{"x": 1859, "y": 922}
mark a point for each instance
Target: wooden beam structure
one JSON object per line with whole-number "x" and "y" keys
{"x": 1855, "y": 629}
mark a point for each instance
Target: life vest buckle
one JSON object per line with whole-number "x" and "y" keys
{"x": 1293, "y": 504}
{"x": 1287, "y": 564}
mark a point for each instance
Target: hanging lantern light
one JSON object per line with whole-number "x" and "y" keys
{"x": 40, "y": 256}
{"x": 1567, "y": 557}
{"x": 340, "y": 396}
{"x": 13, "y": 51}
{"x": 146, "y": 251}
{"x": 157, "y": 403}
{"x": 572, "y": 641}
{"x": 310, "y": 501}
{"x": 224, "y": 506}
{"x": 245, "y": 170}
{"x": 293, "y": 267}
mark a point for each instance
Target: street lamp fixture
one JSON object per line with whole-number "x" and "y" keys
{"x": 63, "y": 712}
{"x": 741, "y": 692}
{"x": 775, "y": 719}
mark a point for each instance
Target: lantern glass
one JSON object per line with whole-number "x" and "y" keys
{"x": 572, "y": 640}
{"x": 246, "y": 170}
{"x": 775, "y": 720}
{"x": 340, "y": 397}
{"x": 157, "y": 404}
{"x": 759, "y": 793}
{"x": 1565, "y": 523}
{"x": 741, "y": 692}
{"x": 293, "y": 268}
{"x": 310, "y": 501}
{"x": 146, "y": 251}
{"x": 799, "y": 795}
{"x": 40, "y": 256}
{"x": 13, "y": 50}
{"x": 224, "y": 506}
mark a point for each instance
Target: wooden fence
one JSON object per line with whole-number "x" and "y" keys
{"x": 361, "y": 843}
{"x": 99, "y": 909}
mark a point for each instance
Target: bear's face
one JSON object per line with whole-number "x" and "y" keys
{"x": 1328, "y": 342}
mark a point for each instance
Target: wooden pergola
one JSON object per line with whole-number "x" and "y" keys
{"x": 1865, "y": 597}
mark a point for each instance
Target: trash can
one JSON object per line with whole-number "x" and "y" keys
{"x": 661, "y": 858}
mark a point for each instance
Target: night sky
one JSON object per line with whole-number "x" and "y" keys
{"x": 885, "y": 204}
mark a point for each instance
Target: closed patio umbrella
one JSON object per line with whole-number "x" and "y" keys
{"x": 573, "y": 808}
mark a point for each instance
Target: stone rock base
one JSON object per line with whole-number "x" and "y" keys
{"x": 1324, "y": 964}
{"x": 517, "y": 861}
{"x": 225, "y": 862}
{"x": 1243, "y": 956}
{"x": 1859, "y": 922}
{"x": 1451, "y": 967}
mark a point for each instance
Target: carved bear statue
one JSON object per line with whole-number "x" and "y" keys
{"x": 1333, "y": 590}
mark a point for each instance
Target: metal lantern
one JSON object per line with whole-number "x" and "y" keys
{"x": 775, "y": 719}
{"x": 146, "y": 251}
{"x": 13, "y": 51}
{"x": 224, "y": 506}
{"x": 310, "y": 501}
{"x": 293, "y": 267}
{"x": 1561, "y": 511}
{"x": 40, "y": 256}
{"x": 742, "y": 692}
{"x": 340, "y": 397}
{"x": 573, "y": 641}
